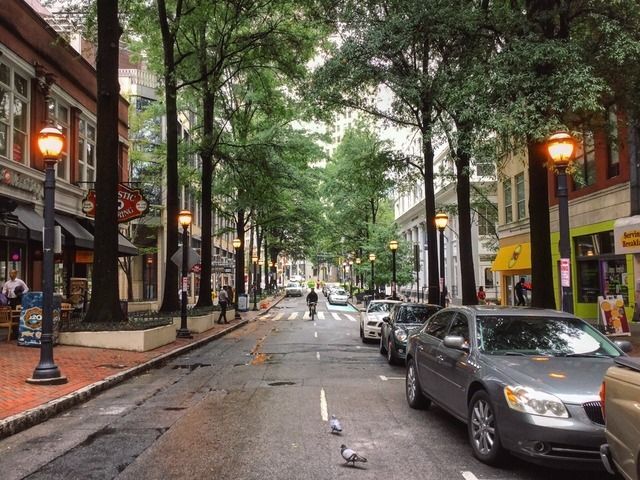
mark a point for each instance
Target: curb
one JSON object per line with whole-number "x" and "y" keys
{"x": 29, "y": 418}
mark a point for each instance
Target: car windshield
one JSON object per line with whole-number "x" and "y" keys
{"x": 380, "y": 307}
{"x": 416, "y": 314}
{"x": 528, "y": 335}
{"x": 339, "y": 292}
{"x": 292, "y": 285}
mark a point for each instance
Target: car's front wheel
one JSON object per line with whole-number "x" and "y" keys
{"x": 391, "y": 357}
{"x": 483, "y": 429}
{"x": 415, "y": 398}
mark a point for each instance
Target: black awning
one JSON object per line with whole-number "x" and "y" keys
{"x": 30, "y": 219}
{"x": 11, "y": 228}
{"x": 125, "y": 247}
{"x": 75, "y": 234}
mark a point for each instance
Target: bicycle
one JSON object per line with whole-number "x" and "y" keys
{"x": 312, "y": 310}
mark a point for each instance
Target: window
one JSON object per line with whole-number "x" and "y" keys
{"x": 508, "y": 201}
{"x": 58, "y": 113}
{"x": 613, "y": 159}
{"x": 437, "y": 325}
{"x": 460, "y": 327}
{"x": 488, "y": 277}
{"x": 86, "y": 150}
{"x": 485, "y": 169}
{"x": 585, "y": 162}
{"x": 14, "y": 114}
{"x": 486, "y": 219}
{"x": 522, "y": 212}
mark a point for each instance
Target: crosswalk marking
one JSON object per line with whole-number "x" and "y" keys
{"x": 350, "y": 317}
{"x": 321, "y": 315}
{"x": 305, "y": 316}
{"x": 336, "y": 316}
{"x": 278, "y": 316}
{"x": 293, "y": 316}
{"x": 274, "y": 317}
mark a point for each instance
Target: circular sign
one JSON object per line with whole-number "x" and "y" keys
{"x": 142, "y": 205}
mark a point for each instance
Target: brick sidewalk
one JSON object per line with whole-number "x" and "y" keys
{"x": 88, "y": 370}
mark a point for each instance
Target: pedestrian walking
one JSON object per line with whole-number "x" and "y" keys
{"x": 14, "y": 288}
{"x": 482, "y": 295}
{"x": 223, "y": 300}
{"x": 520, "y": 289}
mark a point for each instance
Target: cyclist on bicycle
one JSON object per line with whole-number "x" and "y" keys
{"x": 312, "y": 300}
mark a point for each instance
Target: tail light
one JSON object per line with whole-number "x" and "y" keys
{"x": 603, "y": 391}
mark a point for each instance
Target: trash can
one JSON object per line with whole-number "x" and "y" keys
{"x": 30, "y": 328}
{"x": 243, "y": 302}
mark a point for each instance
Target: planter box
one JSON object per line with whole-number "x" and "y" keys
{"x": 135, "y": 340}
{"x": 142, "y": 306}
{"x": 202, "y": 323}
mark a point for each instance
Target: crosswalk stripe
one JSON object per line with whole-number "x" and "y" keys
{"x": 305, "y": 316}
{"x": 336, "y": 316}
{"x": 321, "y": 315}
{"x": 293, "y": 316}
{"x": 350, "y": 317}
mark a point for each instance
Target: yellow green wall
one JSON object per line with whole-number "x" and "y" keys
{"x": 587, "y": 310}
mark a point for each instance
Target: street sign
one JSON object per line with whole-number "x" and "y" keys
{"x": 192, "y": 258}
{"x": 565, "y": 272}
{"x": 131, "y": 203}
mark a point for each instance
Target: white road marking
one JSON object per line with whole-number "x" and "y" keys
{"x": 318, "y": 355}
{"x": 305, "y": 316}
{"x": 315, "y": 324}
{"x": 323, "y": 406}
{"x": 358, "y": 347}
{"x": 469, "y": 476}
{"x": 336, "y": 316}
{"x": 315, "y": 334}
{"x": 293, "y": 316}
{"x": 278, "y": 316}
{"x": 350, "y": 317}
{"x": 321, "y": 315}
{"x": 383, "y": 378}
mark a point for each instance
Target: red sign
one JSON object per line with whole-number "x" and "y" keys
{"x": 131, "y": 203}
{"x": 197, "y": 268}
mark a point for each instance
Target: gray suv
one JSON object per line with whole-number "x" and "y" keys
{"x": 524, "y": 380}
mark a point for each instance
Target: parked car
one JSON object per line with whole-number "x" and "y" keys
{"x": 620, "y": 394}
{"x": 371, "y": 318}
{"x": 338, "y": 296}
{"x": 524, "y": 380}
{"x": 396, "y": 328}
{"x": 293, "y": 289}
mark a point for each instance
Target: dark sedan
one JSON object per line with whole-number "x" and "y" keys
{"x": 401, "y": 322}
{"x": 524, "y": 380}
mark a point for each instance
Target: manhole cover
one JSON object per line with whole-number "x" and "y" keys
{"x": 279, "y": 384}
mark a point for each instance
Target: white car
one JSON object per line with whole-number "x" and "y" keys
{"x": 293, "y": 289}
{"x": 371, "y": 318}
{"x": 338, "y": 296}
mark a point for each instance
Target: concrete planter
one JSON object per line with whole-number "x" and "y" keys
{"x": 135, "y": 340}
{"x": 202, "y": 323}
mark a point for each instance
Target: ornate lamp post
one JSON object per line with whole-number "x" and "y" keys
{"x": 372, "y": 259}
{"x": 561, "y": 147}
{"x": 393, "y": 246}
{"x": 441, "y": 223}
{"x": 184, "y": 219}
{"x": 50, "y": 142}
{"x": 254, "y": 259}
{"x": 350, "y": 278}
{"x": 237, "y": 243}
{"x": 358, "y": 261}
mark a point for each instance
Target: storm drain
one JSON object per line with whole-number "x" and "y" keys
{"x": 280, "y": 384}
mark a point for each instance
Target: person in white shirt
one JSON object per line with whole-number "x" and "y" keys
{"x": 14, "y": 288}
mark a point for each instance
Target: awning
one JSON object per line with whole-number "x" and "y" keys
{"x": 75, "y": 233}
{"x": 626, "y": 235}
{"x": 11, "y": 228}
{"x": 31, "y": 220}
{"x": 125, "y": 247}
{"x": 513, "y": 258}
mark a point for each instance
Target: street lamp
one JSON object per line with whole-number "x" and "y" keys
{"x": 259, "y": 277}
{"x": 350, "y": 278}
{"x": 561, "y": 147}
{"x": 441, "y": 223}
{"x": 50, "y": 143}
{"x": 184, "y": 219}
{"x": 358, "y": 261}
{"x": 393, "y": 246}
{"x": 372, "y": 259}
{"x": 239, "y": 270}
{"x": 254, "y": 259}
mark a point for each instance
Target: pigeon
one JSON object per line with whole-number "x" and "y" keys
{"x": 350, "y": 456}
{"x": 336, "y": 428}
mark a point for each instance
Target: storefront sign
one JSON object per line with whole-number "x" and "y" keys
{"x": 131, "y": 203}
{"x": 626, "y": 234}
{"x": 565, "y": 272}
{"x": 612, "y": 315}
{"x": 22, "y": 182}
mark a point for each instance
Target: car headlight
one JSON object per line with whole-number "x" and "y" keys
{"x": 400, "y": 334}
{"x": 535, "y": 402}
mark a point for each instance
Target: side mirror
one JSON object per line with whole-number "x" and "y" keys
{"x": 456, "y": 342}
{"x": 386, "y": 319}
{"x": 624, "y": 345}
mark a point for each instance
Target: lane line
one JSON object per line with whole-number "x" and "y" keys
{"x": 383, "y": 378}
{"x": 315, "y": 334}
{"x": 293, "y": 316}
{"x": 350, "y": 317}
{"x": 315, "y": 324}
{"x": 469, "y": 476}
{"x": 321, "y": 315}
{"x": 323, "y": 406}
{"x": 336, "y": 316}
{"x": 318, "y": 355}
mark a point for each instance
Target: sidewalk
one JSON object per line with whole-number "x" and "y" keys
{"x": 89, "y": 371}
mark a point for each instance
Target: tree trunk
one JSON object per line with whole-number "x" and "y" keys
{"x": 541, "y": 267}
{"x": 430, "y": 212}
{"x": 240, "y": 254}
{"x": 105, "y": 301}
{"x": 170, "y": 295}
{"x": 463, "y": 193}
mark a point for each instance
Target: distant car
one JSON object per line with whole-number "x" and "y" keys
{"x": 399, "y": 324}
{"x": 371, "y": 318}
{"x": 293, "y": 289}
{"x": 524, "y": 380}
{"x": 620, "y": 394}
{"x": 338, "y": 296}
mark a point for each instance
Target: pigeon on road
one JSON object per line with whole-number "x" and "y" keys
{"x": 336, "y": 427}
{"x": 350, "y": 456}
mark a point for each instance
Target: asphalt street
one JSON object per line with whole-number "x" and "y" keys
{"x": 255, "y": 405}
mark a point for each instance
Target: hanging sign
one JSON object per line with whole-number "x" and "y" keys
{"x": 131, "y": 203}
{"x": 612, "y": 315}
